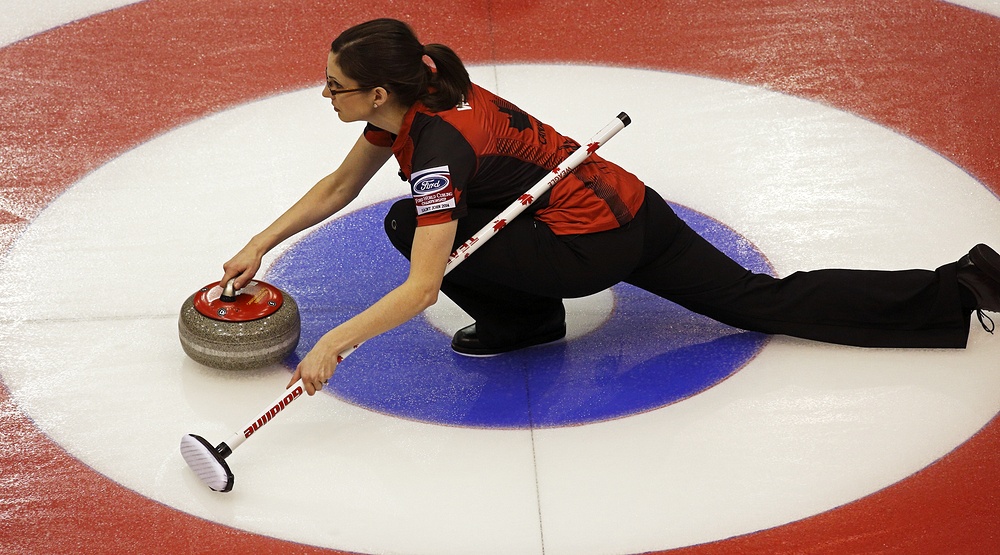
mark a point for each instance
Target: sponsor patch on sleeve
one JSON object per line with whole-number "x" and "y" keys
{"x": 432, "y": 190}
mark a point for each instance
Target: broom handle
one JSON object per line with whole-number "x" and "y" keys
{"x": 272, "y": 410}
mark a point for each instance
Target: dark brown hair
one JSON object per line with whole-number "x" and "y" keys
{"x": 386, "y": 53}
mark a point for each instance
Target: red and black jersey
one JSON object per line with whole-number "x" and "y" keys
{"x": 486, "y": 152}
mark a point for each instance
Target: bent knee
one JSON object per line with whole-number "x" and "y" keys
{"x": 401, "y": 223}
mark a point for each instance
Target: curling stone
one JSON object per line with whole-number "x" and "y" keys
{"x": 239, "y": 330}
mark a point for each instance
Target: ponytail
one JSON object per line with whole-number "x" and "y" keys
{"x": 386, "y": 53}
{"x": 450, "y": 83}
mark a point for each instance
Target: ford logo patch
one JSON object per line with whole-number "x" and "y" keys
{"x": 430, "y": 184}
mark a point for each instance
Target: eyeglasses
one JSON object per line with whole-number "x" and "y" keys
{"x": 335, "y": 92}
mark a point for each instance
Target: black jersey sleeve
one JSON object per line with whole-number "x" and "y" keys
{"x": 443, "y": 165}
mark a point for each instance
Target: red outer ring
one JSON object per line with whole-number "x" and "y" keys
{"x": 255, "y": 301}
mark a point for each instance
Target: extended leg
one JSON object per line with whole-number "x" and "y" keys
{"x": 908, "y": 308}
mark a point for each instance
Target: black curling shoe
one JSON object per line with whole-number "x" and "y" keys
{"x": 466, "y": 342}
{"x": 979, "y": 272}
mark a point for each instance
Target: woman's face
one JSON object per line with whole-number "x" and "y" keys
{"x": 351, "y": 104}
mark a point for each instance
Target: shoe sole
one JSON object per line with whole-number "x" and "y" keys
{"x": 545, "y": 340}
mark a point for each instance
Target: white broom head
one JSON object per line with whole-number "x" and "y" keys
{"x": 206, "y": 463}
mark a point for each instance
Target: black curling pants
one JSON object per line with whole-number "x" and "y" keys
{"x": 513, "y": 285}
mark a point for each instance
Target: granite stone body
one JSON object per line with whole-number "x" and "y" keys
{"x": 239, "y": 345}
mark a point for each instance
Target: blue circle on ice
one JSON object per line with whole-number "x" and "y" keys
{"x": 411, "y": 371}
